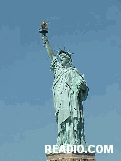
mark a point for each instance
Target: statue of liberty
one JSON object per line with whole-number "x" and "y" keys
{"x": 69, "y": 90}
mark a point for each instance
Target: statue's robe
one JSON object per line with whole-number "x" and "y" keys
{"x": 69, "y": 90}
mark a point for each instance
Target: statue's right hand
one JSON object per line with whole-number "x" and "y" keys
{"x": 44, "y": 38}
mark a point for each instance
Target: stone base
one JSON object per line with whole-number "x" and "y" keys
{"x": 71, "y": 157}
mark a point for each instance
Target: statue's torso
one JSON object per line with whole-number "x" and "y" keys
{"x": 65, "y": 91}
{"x": 62, "y": 91}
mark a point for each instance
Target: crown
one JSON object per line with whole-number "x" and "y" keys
{"x": 65, "y": 52}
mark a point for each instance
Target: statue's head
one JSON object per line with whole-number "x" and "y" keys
{"x": 65, "y": 57}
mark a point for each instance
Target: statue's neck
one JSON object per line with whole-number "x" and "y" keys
{"x": 67, "y": 65}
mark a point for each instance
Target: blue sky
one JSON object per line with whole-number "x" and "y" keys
{"x": 90, "y": 29}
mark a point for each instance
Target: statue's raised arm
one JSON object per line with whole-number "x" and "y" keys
{"x": 44, "y": 30}
{"x": 50, "y": 52}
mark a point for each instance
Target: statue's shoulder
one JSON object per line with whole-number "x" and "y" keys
{"x": 55, "y": 64}
{"x": 74, "y": 70}
{"x": 76, "y": 74}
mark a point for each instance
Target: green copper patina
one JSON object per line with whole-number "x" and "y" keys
{"x": 69, "y": 90}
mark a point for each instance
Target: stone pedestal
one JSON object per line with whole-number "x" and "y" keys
{"x": 71, "y": 157}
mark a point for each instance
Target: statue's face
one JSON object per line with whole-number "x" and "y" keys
{"x": 64, "y": 59}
